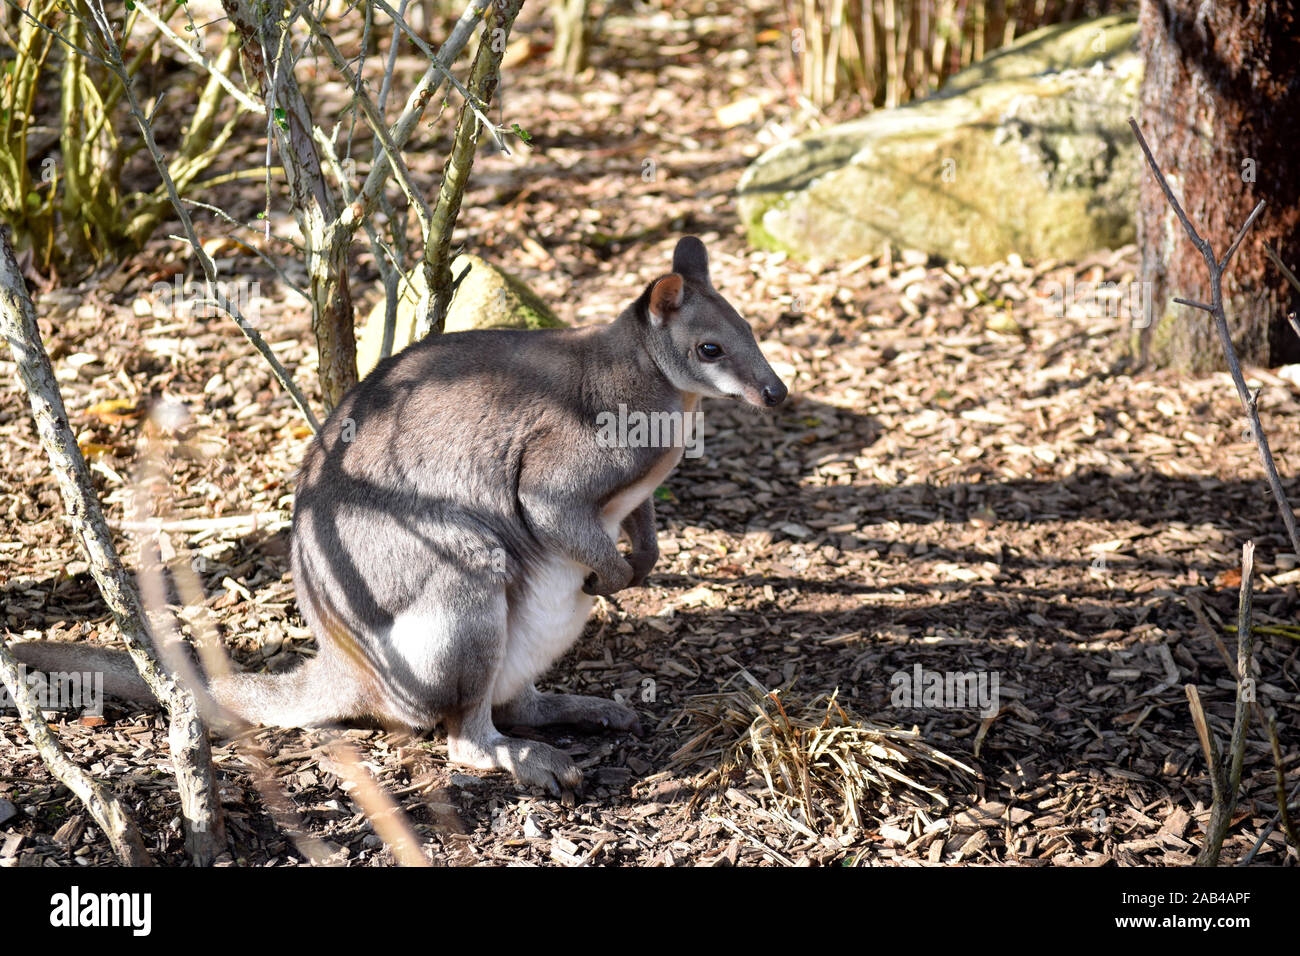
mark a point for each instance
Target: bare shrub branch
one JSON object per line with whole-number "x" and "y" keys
{"x": 485, "y": 75}
{"x": 1215, "y": 309}
{"x": 190, "y": 748}
{"x": 113, "y": 59}
{"x": 268, "y": 54}
{"x": 1225, "y": 798}
{"x": 419, "y": 98}
{"x": 113, "y": 818}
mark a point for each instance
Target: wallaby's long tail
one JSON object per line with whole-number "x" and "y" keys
{"x": 306, "y": 696}
{"x": 120, "y": 676}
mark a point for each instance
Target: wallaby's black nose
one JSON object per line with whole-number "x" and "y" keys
{"x": 774, "y": 394}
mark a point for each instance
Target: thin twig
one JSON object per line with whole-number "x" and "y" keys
{"x": 1282, "y": 267}
{"x": 249, "y": 247}
{"x": 390, "y": 67}
{"x": 425, "y": 90}
{"x": 1280, "y": 781}
{"x": 1215, "y": 309}
{"x": 1264, "y": 833}
{"x": 57, "y": 35}
{"x": 470, "y": 100}
{"x": 376, "y": 122}
{"x": 113, "y": 818}
{"x": 1291, "y": 278}
{"x": 246, "y": 101}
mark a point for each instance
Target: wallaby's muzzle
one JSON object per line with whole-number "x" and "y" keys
{"x": 774, "y": 394}
{"x": 761, "y": 388}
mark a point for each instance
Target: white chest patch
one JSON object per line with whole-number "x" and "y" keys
{"x": 631, "y": 497}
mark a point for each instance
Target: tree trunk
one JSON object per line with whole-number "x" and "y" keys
{"x": 1220, "y": 106}
{"x": 270, "y": 58}
{"x": 572, "y": 35}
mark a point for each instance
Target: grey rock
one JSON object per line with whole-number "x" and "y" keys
{"x": 487, "y": 298}
{"x": 1028, "y": 152}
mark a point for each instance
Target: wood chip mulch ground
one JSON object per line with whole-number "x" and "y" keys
{"x": 964, "y": 480}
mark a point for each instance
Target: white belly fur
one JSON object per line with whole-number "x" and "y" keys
{"x": 543, "y": 623}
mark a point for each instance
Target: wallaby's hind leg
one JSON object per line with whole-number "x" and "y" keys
{"x": 473, "y": 740}
{"x": 531, "y": 708}
{"x": 452, "y": 656}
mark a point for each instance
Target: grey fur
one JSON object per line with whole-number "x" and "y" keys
{"x": 444, "y": 555}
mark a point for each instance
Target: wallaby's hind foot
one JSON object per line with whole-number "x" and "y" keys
{"x": 535, "y": 709}
{"x": 475, "y": 742}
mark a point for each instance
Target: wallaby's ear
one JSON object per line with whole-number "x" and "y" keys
{"x": 665, "y": 298}
{"x": 690, "y": 259}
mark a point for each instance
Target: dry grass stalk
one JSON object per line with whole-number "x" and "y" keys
{"x": 1226, "y": 781}
{"x": 391, "y": 823}
{"x": 891, "y": 51}
{"x": 822, "y": 765}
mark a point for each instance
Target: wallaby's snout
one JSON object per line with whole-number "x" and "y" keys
{"x": 701, "y": 342}
{"x": 753, "y": 380}
{"x": 775, "y": 393}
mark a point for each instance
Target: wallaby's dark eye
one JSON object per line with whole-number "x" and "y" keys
{"x": 710, "y": 352}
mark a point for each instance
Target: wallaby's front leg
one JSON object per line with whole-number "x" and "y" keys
{"x": 639, "y": 526}
{"x": 575, "y": 531}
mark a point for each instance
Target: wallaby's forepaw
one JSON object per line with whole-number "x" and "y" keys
{"x": 642, "y": 563}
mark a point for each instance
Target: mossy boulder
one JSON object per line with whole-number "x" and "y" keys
{"x": 1027, "y": 152}
{"x": 1063, "y": 46}
{"x": 488, "y": 298}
